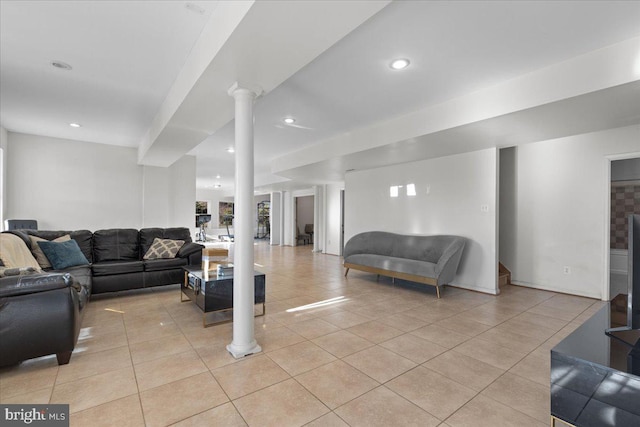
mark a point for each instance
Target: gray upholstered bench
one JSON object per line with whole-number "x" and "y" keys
{"x": 432, "y": 260}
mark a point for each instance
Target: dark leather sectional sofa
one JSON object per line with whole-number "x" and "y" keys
{"x": 41, "y": 313}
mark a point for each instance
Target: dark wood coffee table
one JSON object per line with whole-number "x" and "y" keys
{"x": 215, "y": 293}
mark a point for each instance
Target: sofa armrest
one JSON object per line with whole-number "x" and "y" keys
{"x": 192, "y": 251}
{"x": 448, "y": 263}
{"x": 34, "y": 283}
{"x": 189, "y": 249}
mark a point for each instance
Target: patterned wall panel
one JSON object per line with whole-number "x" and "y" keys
{"x": 625, "y": 199}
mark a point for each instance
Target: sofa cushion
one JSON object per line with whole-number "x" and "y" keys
{"x": 37, "y": 251}
{"x": 116, "y": 244}
{"x": 63, "y": 254}
{"x": 110, "y": 268}
{"x": 164, "y": 264}
{"x": 147, "y": 236}
{"x": 82, "y": 237}
{"x": 15, "y": 253}
{"x": 163, "y": 248}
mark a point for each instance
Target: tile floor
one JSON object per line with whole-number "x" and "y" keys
{"x": 336, "y": 352}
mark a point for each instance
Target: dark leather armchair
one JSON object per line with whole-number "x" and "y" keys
{"x": 40, "y": 314}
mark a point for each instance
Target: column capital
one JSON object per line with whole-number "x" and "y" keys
{"x": 244, "y": 87}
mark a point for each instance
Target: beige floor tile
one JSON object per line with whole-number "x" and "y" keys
{"x": 345, "y": 319}
{"x": 441, "y": 336}
{"x": 249, "y": 375}
{"x": 534, "y": 367}
{"x": 464, "y": 369}
{"x": 88, "y": 343}
{"x": 103, "y": 328}
{"x": 484, "y": 412}
{"x": 88, "y": 364}
{"x": 161, "y": 347}
{"x": 519, "y": 393}
{"x": 413, "y": 348}
{"x": 168, "y": 369}
{"x": 435, "y": 393}
{"x": 302, "y": 357}
{"x": 224, "y": 415}
{"x": 463, "y": 325}
{"x": 510, "y": 340}
{"x": 379, "y": 363}
{"x": 136, "y": 333}
{"x": 375, "y": 331}
{"x": 329, "y": 420}
{"x": 488, "y": 352}
{"x": 215, "y": 356}
{"x": 42, "y": 396}
{"x": 95, "y": 390}
{"x": 273, "y": 339}
{"x": 283, "y": 404}
{"x": 29, "y": 376}
{"x": 313, "y": 328}
{"x": 125, "y": 412}
{"x": 431, "y": 313}
{"x": 342, "y": 343}
{"x": 491, "y": 314}
{"x": 382, "y": 407}
{"x": 181, "y": 399}
{"x": 552, "y": 311}
{"x": 543, "y": 321}
{"x": 336, "y": 383}
{"x": 403, "y": 322}
{"x": 526, "y": 328}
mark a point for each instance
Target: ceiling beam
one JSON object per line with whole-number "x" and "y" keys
{"x": 262, "y": 43}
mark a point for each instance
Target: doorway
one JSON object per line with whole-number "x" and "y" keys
{"x": 304, "y": 210}
{"x": 624, "y": 199}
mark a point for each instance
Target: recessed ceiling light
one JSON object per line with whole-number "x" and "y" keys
{"x": 399, "y": 64}
{"x": 218, "y": 176}
{"x": 61, "y": 65}
{"x": 75, "y": 125}
{"x": 231, "y": 150}
{"x": 289, "y": 120}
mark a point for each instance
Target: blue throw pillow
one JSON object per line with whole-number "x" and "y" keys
{"x": 63, "y": 254}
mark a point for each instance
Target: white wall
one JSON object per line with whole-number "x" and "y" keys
{"x": 562, "y": 192}
{"x": 182, "y": 192}
{"x": 451, "y": 192}
{"x": 74, "y": 185}
{"x": 3, "y": 174}
{"x": 155, "y": 204}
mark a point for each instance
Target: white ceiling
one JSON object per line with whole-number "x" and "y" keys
{"x": 128, "y": 55}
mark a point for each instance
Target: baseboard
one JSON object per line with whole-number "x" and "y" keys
{"x": 488, "y": 291}
{"x": 574, "y": 292}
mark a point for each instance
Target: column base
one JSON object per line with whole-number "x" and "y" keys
{"x": 240, "y": 351}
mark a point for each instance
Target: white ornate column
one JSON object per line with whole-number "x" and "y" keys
{"x": 244, "y": 342}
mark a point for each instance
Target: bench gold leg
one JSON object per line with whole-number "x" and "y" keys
{"x": 346, "y": 272}
{"x": 438, "y": 291}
